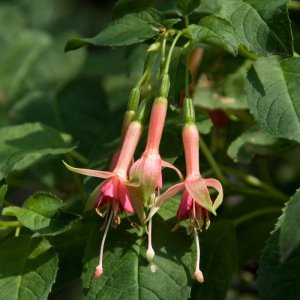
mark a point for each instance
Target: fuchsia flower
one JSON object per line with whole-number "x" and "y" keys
{"x": 196, "y": 203}
{"x": 147, "y": 170}
{"x": 114, "y": 194}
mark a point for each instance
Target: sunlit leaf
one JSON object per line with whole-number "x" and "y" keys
{"x": 130, "y": 29}
{"x": 42, "y": 213}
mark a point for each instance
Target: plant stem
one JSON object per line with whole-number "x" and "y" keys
{"x": 10, "y": 224}
{"x": 163, "y": 53}
{"x": 168, "y": 61}
{"x": 256, "y": 182}
{"x": 255, "y": 214}
{"x": 244, "y": 52}
{"x": 212, "y": 162}
{"x": 246, "y": 191}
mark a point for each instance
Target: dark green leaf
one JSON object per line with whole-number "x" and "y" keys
{"x": 126, "y": 272}
{"x": 218, "y": 261}
{"x": 70, "y": 249}
{"x": 262, "y": 26}
{"x": 289, "y": 237}
{"x": 216, "y": 31}
{"x": 278, "y": 280}
{"x": 170, "y": 146}
{"x": 3, "y": 190}
{"x": 23, "y": 145}
{"x": 28, "y": 268}
{"x": 124, "y": 7}
{"x": 249, "y": 144}
{"x": 93, "y": 112}
{"x": 131, "y": 29}
{"x": 43, "y": 213}
{"x": 177, "y": 76}
{"x": 18, "y": 59}
{"x": 187, "y": 6}
{"x": 273, "y": 94}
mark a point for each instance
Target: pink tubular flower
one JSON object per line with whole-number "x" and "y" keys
{"x": 114, "y": 194}
{"x": 147, "y": 170}
{"x": 196, "y": 203}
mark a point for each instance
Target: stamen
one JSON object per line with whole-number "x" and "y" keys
{"x": 198, "y": 274}
{"x": 150, "y": 252}
{"x": 99, "y": 268}
{"x": 101, "y": 214}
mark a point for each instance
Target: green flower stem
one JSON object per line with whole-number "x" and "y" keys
{"x": 256, "y": 182}
{"x": 163, "y": 52}
{"x": 187, "y": 82}
{"x": 255, "y": 214}
{"x": 143, "y": 110}
{"x": 188, "y": 110}
{"x": 10, "y": 224}
{"x": 246, "y": 191}
{"x": 212, "y": 162}
{"x": 168, "y": 61}
{"x": 244, "y": 52}
{"x": 18, "y": 230}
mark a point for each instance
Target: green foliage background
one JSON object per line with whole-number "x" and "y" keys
{"x": 58, "y": 105}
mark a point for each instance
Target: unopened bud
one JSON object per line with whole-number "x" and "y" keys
{"x": 154, "y": 47}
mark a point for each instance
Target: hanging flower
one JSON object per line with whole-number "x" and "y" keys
{"x": 196, "y": 203}
{"x": 113, "y": 192}
{"x": 146, "y": 171}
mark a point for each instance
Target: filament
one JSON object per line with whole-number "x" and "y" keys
{"x": 150, "y": 252}
{"x": 99, "y": 268}
{"x": 198, "y": 274}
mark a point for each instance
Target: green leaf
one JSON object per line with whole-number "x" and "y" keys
{"x": 123, "y": 7}
{"x": 187, "y": 6}
{"x": 126, "y": 273}
{"x": 278, "y": 280}
{"x": 93, "y": 112}
{"x": 70, "y": 248}
{"x": 3, "y": 190}
{"x": 177, "y": 76}
{"x": 289, "y": 238}
{"x": 131, "y": 29}
{"x": 226, "y": 90}
{"x": 18, "y": 58}
{"x": 272, "y": 89}
{"x": 249, "y": 144}
{"x": 215, "y": 31}
{"x": 28, "y": 268}
{"x": 218, "y": 261}
{"x": 23, "y": 145}
{"x": 263, "y": 27}
{"x": 43, "y": 213}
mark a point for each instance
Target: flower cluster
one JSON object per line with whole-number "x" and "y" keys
{"x": 134, "y": 186}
